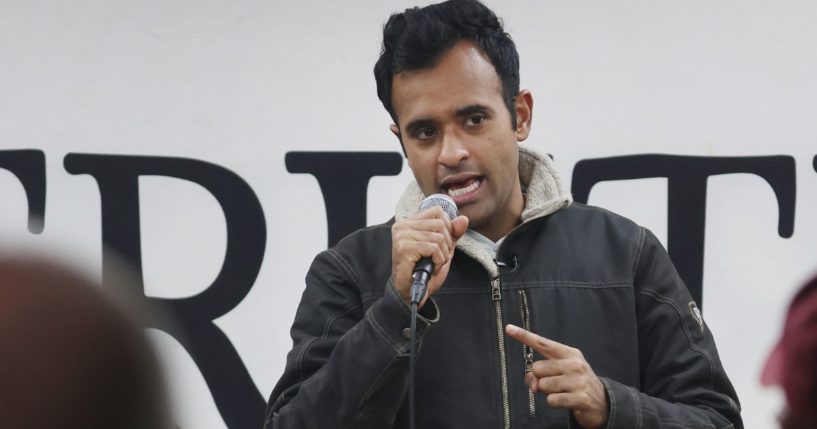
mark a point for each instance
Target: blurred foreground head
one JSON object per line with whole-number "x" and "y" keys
{"x": 793, "y": 362}
{"x": 69, "y": 356}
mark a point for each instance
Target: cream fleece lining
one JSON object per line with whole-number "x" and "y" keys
{"x": 545, "y": 194}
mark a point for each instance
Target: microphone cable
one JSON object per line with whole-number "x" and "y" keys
{"x": 422, "y": 273}
{"x": 412, "y": 361}
{"x": 419, "y": 285}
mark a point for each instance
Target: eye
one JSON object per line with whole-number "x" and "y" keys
{"x": 425, "y": 133}
{"x": 475, "y": 119}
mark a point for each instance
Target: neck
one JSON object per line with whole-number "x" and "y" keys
{"x": 507, "y": 220}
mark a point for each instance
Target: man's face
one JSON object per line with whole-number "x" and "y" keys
{"x": 458, "y": 136}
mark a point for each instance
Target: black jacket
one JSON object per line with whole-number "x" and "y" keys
{"x": 582, "y": 276}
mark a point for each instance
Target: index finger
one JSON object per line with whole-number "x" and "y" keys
{"x": 546, "y": 347}
{"x": 434, "y": 212}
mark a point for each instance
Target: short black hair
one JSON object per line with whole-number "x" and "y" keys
{"x": 416, "y": 39}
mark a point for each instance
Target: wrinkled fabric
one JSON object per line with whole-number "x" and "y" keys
{"x": 593, "y": 280}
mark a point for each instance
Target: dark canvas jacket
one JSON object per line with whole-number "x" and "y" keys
{"x": 579, "y": 275}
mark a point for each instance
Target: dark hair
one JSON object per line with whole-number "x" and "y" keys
{"x": 417, "y": 38}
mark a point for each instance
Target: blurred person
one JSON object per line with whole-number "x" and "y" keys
{"x": 793, "y": 362}
{"x": 70, "y": 357}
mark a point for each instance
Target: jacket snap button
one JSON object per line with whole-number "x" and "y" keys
{"x": 407, "y": 333}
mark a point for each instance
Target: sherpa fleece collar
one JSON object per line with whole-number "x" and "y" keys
{"x": 545, "y": 194}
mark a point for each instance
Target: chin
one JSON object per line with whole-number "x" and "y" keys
{"x": 476, "y": 219}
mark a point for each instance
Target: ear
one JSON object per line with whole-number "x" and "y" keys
{"x": 396, "y": 131}
{"x": 524, "y": 114}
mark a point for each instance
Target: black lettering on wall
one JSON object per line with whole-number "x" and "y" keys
{"x": 344, "y": 179}
{"x": 28, "y": 165}
{"x": 236, "y": 397}
{"x": 687, "y": 177}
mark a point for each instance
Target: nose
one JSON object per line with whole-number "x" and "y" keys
{"x": 453, "y": 151}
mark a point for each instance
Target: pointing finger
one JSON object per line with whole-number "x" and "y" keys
{"x": 547, "y": 348}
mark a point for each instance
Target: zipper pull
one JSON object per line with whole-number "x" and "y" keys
{"x": 528, "y": 362}
{"x": 496, "y": 292}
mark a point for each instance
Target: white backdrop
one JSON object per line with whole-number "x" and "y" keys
{"x": 241, "y": 83}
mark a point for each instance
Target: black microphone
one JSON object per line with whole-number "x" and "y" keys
{"x": 425, "y": 266}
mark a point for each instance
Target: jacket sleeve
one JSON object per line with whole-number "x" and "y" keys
{"x": 347, "y": 367}
{"x": 683, "y": 384}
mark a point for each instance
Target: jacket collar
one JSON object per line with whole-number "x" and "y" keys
{"x": 544, "y": 191}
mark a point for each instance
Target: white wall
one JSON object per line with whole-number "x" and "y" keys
{"x": 240, "y": 83}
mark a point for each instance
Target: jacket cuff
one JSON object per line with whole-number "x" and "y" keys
{"x": 390, "y": 316}
{"x": 623, "y": 405}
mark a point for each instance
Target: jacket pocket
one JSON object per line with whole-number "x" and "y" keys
{"x": 526, "y": 349}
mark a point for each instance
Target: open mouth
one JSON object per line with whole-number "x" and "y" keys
{"x": 465, "y": 187}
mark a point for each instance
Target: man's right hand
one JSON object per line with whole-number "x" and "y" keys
{"x": 427, "y": 233}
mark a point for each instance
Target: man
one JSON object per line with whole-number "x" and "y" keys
{"x": 611, "y": 337}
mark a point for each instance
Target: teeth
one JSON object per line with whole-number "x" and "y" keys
{"x": 462, "y": 191}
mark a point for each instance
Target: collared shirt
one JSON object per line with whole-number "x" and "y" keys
{"x": 485, "y": 242}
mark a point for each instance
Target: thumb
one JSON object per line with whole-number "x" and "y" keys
{"x": 458, "y": 227}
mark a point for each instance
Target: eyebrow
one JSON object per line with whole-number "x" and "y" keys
{"x": 473, "y": 108}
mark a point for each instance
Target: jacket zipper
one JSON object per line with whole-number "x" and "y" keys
{"x": 496, "y": 297}
{"x": 526, "y": 349}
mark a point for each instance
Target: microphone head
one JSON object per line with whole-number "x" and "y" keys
{"x": 442, "y": 201}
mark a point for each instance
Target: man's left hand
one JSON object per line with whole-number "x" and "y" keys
{"x": 565, "y": 377}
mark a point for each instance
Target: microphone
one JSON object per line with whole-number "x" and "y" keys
{"x": 425, "y": 266}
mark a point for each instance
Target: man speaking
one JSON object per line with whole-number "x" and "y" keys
{"x": 540, "y": 313}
